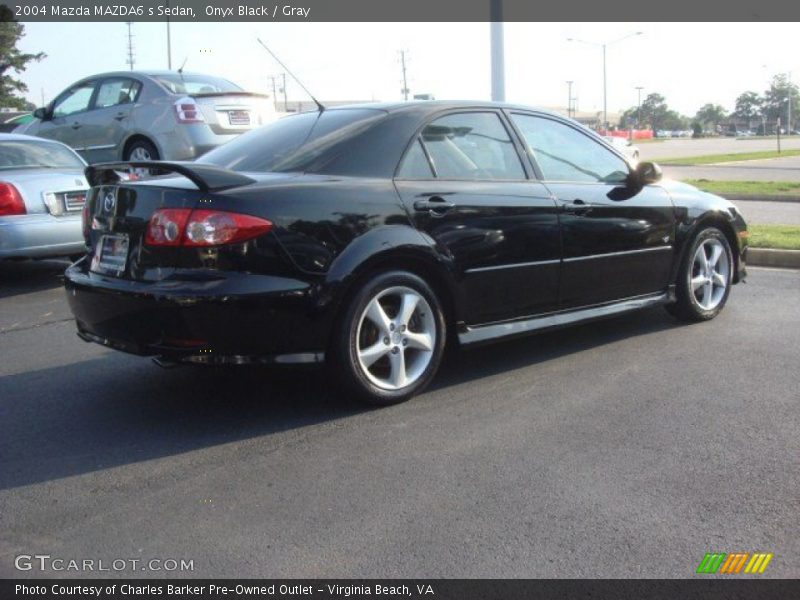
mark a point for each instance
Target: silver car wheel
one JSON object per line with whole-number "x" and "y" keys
{"x": 140, "y": 153}
{"x": 396, "y": 337}
{"x": 710, "y": 274}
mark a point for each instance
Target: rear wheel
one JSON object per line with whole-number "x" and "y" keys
{"x": 391, "y": 339}
{"x": 142, "y": 150}
{"x": 704, "y": 278}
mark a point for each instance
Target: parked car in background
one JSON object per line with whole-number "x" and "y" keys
{"x": 625, "y": 146}
{"x": 368, "y": 237}
{"x": 42, "y": 193}
{"x": 11, "y": 124}
{"x": 149, "y": 115}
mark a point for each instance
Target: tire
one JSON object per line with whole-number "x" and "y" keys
{"x": 383, "y": 356}
{"x": 141, "y": 150}
{"x": 702, "y": 287}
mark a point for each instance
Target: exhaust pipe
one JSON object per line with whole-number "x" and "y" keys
{"x": 164, "y": 363}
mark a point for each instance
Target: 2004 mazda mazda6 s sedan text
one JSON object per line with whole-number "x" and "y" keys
{"x": 367, "y": 236}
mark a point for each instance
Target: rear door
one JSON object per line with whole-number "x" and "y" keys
{"x": 618, "y": 238}
{"x": 106, "y": 125}
{"x": 463, "y": 183}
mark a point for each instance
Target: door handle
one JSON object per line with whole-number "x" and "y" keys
{"x": 76, "y": 125}
{"x": 121, "y": 116}
{"x": 576, "y": 207}
{"x": 435, "y": 205}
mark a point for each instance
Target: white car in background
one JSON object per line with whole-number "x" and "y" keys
{"x": 625, "y": 146}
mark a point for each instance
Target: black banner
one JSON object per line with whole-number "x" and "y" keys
{"x": 398, "y": 10}
{"x": 373, "y": 589}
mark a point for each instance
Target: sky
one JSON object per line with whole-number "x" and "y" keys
{"x": 690, "y": 64}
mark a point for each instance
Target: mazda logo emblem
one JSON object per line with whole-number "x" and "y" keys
{"x": 109, "y": 201}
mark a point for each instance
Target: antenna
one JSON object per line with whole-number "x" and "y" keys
{"x": 183, "y": 64}
{"x": 285, "y": 68}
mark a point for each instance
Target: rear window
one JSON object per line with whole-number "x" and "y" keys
{"x": 196, "y": 85}
{"x": 18, "y": 154}
{"x": 293, "y": 143}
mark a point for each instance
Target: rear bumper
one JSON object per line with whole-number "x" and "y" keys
{"x": 187, "y": 142}
{"x": 40, "y": 236}
{"x": 216, "y": 317}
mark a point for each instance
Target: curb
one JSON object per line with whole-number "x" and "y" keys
{"x": 771, "y": 257}
{"x": 760, "y": 198}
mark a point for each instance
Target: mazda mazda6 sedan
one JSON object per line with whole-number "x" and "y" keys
{"x": 368, "y": 237}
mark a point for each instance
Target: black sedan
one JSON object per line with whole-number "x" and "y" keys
{"x": 367, "y": 237}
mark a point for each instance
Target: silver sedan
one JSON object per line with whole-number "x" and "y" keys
{"x": 42, "y": 193}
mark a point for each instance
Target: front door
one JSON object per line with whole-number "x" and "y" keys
{"x": 618, "y": 238}
{"x": 464, "y": 184}
{"x": 66, "y": 123}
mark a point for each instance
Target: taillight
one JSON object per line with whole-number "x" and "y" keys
{"x": 188, "y": 111}
{"x": 86, "y": 220}
{"x": 11, "y": 203}
{"x": 186, "y": 227}
{"x": 166, "y": 227}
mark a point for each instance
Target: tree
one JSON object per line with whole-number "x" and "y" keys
{"x": 654, "y": 113}
{"x": 777, "y": 98}
{"x": 711, "y": 114}
{"x": 748, "y": 107}
{"x": 13, "y": 62}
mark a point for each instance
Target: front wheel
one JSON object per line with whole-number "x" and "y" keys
{"x": 704, "y": 278}
{"x": 391, "y": 339}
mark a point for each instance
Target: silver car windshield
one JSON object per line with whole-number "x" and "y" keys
{"x": 24, "y": 154}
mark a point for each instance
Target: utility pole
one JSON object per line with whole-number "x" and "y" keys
{"x": 43, "y": 102}
{"x": 274, "y": 91}
{"x": 130, "y": 60}
{"x": 498, "y": 51}
{"x": 283, "y": 89}
{"x": 404, "y": 91}
{"x": 604, "y": 45}
{"x": 569, "y": 98}
{"x": 639, "y": 89}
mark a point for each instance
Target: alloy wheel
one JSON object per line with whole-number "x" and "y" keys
{"x": 710, "y": 274}
{"x": 396, "y": 338}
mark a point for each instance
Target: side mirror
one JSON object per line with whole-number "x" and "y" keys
{"x": 41, "y": 114}
{"x": 647, "y": 172}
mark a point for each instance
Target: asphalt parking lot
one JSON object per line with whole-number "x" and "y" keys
{"x": 626, "y": 448}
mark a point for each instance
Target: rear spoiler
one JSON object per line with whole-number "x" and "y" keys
{"x": 208, "y": 178}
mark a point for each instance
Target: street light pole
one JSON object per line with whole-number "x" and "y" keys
{"x": 604, "y": 46}
{"x": 639, "y": 88}
{"x": 497, "y": 51}
{"x": 569, "y": 99}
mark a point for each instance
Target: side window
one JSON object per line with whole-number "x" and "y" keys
{"x": 116, "y": 91}
{"x": 472, "y": 146}
{"x": 565, "y": 154}
{"x": 74, "y": 101}
{"x": 415, "y": 164}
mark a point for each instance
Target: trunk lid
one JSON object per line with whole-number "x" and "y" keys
{"x": 235, "y": 112}
{"x": 59, "y": 192}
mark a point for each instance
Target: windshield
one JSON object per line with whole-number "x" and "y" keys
{"x": 196, "y": 85}
{"x": 19, "y": 154}
{"x": 292, "y": 143}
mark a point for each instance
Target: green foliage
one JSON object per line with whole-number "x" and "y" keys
{"x": 655, "y": 114}
{"x": 711, "y": 115}
{"x": 12, "y": 63}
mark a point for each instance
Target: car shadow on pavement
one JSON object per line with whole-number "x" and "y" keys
{"x": 27, "y": 276}
{"x": 116, "y": 409}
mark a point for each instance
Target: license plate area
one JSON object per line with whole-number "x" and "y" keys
{"x": 239, "y": 117}
{"x": 111, "y": 255}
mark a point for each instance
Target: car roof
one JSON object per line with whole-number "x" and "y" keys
{"x": 432, "y": 106}
{"x": 148, "y": 73}
{"x": 21, "y": 137}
